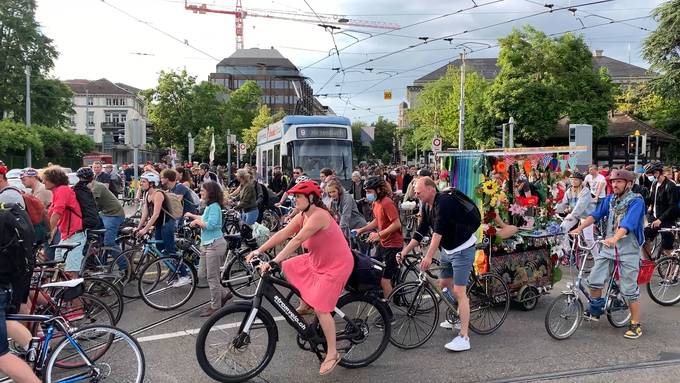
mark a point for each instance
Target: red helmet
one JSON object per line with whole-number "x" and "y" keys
{"x": 306, "y": 188}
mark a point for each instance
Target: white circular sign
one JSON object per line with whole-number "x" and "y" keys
{"x": 436, "y": 141}
{"x": 243, "y": 147}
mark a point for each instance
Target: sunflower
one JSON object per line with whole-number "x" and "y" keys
{"x": 490, "y": 187}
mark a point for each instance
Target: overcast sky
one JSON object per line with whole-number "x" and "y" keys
{"x": 131, "y": 41}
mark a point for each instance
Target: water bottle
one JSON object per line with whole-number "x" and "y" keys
{"x": 32, "y": 351}
{"x": 448, "y": 296}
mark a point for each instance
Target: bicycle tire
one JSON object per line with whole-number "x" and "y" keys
{"x": 116, "y": 337}
{"x": 666, "y": 275}
{"x": 572, "y": 318}
{"x": 488, "y": 294}
{"x": 155, "y": 286}
{"x": 620, "y": 315}
{"x": 405, "y": 303}
{"x": 236, "y": 341}
{"x": 108, "y": 293}
{"x": 373, "y": 320}
{"x": 240, "y": 279}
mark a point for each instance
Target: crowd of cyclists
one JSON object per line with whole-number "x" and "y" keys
{"x": 630, "y": 206}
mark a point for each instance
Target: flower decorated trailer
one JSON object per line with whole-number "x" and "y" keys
{"x": 516, "y": 191}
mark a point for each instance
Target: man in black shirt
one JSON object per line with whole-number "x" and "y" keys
{"x": 662, "y": 206}
{"x": 278, "y": 183}
{"x": 443, "y": 213}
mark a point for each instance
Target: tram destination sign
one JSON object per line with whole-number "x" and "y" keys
{"x": 321, "y": 132}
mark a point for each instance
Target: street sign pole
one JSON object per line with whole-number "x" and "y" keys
{"x": 229, "y": 155}
{"x": 238, "y": 156}
{"x": 637, "y": 137}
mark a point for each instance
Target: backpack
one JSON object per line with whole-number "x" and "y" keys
{"x": 366, "y": 273}
{"x": 173, "y": 204}
{"x": 467, "y": 225}
{"x": 89, "y": 213}
{"x": 17, "y": 257}
{"x": 34, "y": 207}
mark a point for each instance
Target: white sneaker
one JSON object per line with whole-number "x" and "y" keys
{"x": 458, "y": 343}
{"x": 448, "y": 325}
{"x": 182, "y": 281}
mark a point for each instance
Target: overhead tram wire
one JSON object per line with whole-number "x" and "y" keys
{"x": 428, "y": 41}
{"x": 589, "y": 14}
{"x": 405, "y": 27}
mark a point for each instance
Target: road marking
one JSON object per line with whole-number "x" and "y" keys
{"x": 194, "y": 331}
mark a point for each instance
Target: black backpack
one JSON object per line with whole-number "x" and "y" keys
{"x": 88, "y": 208}
{"x": 17, "y": 255}
{"x": 468, "y": 225}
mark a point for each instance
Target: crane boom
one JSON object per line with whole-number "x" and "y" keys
{"x": 323, "y": 19}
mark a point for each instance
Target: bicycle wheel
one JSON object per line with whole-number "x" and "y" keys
{"x": 107, "y": 293}
{"x": 664, "y": 287}
{"x": 364, "y": 331}
{"x": 489, "y": 303}
{"x": 82, "y": 311}
{"x": 241, "y": 278}
{"x": 618, "y": 312}
{"x": 122, "y": 270}
{"x": 167, "y": 283}
{"x": 416, "y": 314}
{"x": 563, "y": 316}
{"x": 226, "y": 353}
{"x": 115, "y": 356}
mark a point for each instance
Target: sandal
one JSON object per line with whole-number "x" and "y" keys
{"x": 305, "y": 311}
{"x": 332, "y": 363}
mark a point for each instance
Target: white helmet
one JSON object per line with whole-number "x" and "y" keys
{"x": 152, "y": 177}
{"x": 301, "y": 179}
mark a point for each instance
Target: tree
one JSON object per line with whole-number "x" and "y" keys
{"x": 542, "y": 80}
{"x": 360, "y": 150}
{"x": 51, "y": 103}
{"x": 263, "y": 119}
{"x": 383, "y": 140}
{"x": 436, "y": 112}
{"x": 662, "y": 48}
{"x": 58, "y": 142}
{"x": 16, "y": 137}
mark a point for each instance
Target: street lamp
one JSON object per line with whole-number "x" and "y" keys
{"x": 29, "y": 154}
{"x": 511, "y": 125}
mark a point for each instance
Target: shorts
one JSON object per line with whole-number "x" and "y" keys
{"x": 74, "y": 258}
{"x": 629, "y": 267}
{"x": 457, "y": 265}
{"x": 388, "y": 255}
{"x": 667, "y": 239}
{"x": 5, "y": 296}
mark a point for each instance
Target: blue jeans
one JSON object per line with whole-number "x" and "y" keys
{"x": 166, "y": 233}
{"x": 250, "y": 217}
{"x": 112, "y": 224}
{"x": 457, "y": 265}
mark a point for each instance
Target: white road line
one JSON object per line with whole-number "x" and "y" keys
{"x": 195, "y": 331}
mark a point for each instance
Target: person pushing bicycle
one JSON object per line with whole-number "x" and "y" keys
{"x": 624, "y": 213}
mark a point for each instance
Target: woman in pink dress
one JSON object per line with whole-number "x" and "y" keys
{"x": 321, "y": 274}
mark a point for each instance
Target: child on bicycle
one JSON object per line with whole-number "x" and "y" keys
{"x": 623, "y": 212}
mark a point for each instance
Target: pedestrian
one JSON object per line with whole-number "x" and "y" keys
{"x": 213, "y": 244}
{"x": 596, "y": 183}
{"x": 29, "y": 178}
{"x": 170, "y": 184}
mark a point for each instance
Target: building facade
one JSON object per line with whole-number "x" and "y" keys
{"x": 110, "y": 113}
{"x": 283, "y": 86}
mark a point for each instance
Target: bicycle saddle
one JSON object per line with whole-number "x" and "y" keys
{"x": 96, "y": 231}
{"x": 232, "y": 237}
{"x": 68, "y": 283}
{"x": 53, "y": 262}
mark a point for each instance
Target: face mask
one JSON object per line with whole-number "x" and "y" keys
{"x": 371, "y": 197}
{"x": 651, "y": 178}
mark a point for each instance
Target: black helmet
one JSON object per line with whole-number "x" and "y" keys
{"x": 654, "y": 166}
{"x": 578, "y": 175}
{"x": 374, "y": 183}
{"x": 204, "y": 166}
{"x": 85, "y": 173}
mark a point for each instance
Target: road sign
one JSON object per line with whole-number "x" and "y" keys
{"x": 242, "y": 149}
{"x": 387, "y": 95}
{"x": 436, "y": 144}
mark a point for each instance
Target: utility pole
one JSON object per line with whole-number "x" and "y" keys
{"x": 511, "y": 133}
{"x": 637, "y": 150}
{"x": 29, "y": 154}
{"x": 229, "y": 156}
{"x": 190, "y": 151}
{"x": 461, "y": 112}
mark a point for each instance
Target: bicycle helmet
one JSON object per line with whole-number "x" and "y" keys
{"x": 85, "y": 173}
{"x": 302, "y": 179}
{"x": 619, "y": 174}
{"x": 306, "y": 188}
{"x": 655, "y": 166}
{"x": 578, "y": 175}
{"x": 374, "y": 183}
{"x": 152, "y": 177}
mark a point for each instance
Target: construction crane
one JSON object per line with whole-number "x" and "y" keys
{"x": 324, "y": 20}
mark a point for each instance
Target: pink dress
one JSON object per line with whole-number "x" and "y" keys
{"x": 321, "y": 274}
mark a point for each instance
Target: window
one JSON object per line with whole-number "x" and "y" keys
{"x": 121, "y": 102}
{"x": 107, "y": 117}
{"x": 73, "y": 120}
{"x": 90, "y": 101}
{"x": 277, "y": 154}
{"x": 90, "y": 118}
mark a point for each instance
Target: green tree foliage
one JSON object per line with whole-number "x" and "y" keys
{"x": 436, "y": 112}
{"x": 383, "y": 140}
{"x": 22, "y": 43}
{"x": 45, "y": 142}
{"x": 263, "y": 119}
{"x": 542, "y": 79}
{"x": 16, "y": 137}
{"x": 178, "y": 105}
{"x": 361, "y": 151}
{"x": 662, "y": 48}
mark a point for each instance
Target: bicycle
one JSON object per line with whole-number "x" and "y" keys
{"x": 566, "y": 312}
{"x": 663, "y": 287}
{"x": 239, "y": 276}
{"x": 128, "y": 264}
{"x": 246, "y": 350}
{"x": 86, "y": 354}
{"x": 416, "y": 305}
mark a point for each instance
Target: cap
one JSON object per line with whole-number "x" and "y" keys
{"x": 28, "y": 172}
{"x": 3, "y": 169}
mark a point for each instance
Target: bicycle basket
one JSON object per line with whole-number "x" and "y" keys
{"x": 646, "y": 272}
{"x": 366, "y": 273}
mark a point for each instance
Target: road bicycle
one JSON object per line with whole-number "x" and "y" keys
{"x": 664, "y": 287}
{"x": 416, "y": 305}
{"x": 238, "y": 341}
{"x": 81, "y": 354}
{"x": 566, "y": 312}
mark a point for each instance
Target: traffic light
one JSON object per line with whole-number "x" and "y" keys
{"x": 499, "y": 137}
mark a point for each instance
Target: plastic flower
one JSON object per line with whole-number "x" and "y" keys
{"x": 516, "y": 209}
{"x": 494, "y": 201}
{"x": 528, "y": 222}
{"x": 490, "y": 187}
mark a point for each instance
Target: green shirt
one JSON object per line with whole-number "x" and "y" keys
{"x": 107, "y": 203}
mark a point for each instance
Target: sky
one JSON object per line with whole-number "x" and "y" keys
{"x": 131, "y": 41}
